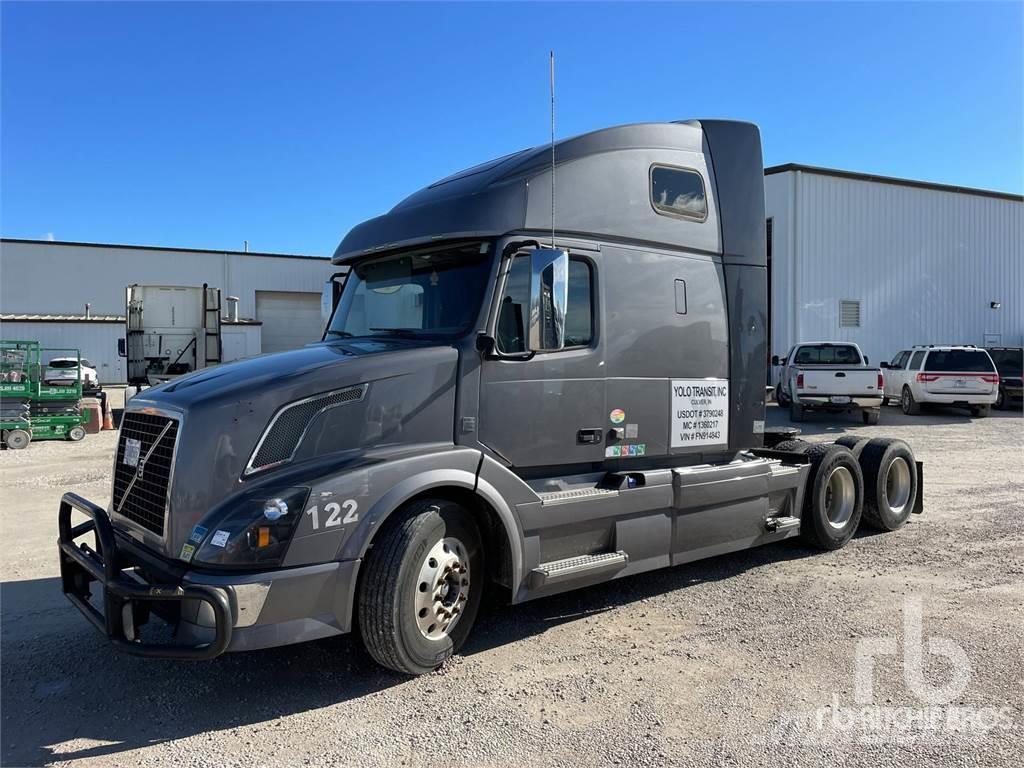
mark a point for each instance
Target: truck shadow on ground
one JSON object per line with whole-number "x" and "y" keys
{"x": 62, "y": 682}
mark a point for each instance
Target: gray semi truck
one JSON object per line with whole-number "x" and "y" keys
{"x": 495, "y": 401}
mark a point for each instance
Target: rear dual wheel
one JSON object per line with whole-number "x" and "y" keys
{"x": 421, "y": 586}
{"x": 834, "y": 498}
{"x": 890, "y": 483}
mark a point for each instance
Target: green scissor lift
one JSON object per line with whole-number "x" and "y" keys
{"x": 31, "y": 409}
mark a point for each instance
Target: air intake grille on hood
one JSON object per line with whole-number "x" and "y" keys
{"x": 281, "y": 438}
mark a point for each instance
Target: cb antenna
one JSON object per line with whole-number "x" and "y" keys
{"x": 552, "y": 59}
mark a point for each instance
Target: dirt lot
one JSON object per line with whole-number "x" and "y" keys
{"x": 746, "y": 659}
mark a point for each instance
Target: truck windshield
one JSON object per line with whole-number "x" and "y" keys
{"x": 423, "y": 294}
{"x": 827, "y": 354}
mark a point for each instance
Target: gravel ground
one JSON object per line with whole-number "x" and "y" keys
{"x": 747, "y": 659}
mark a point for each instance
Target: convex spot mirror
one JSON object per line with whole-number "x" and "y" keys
{"x": 549, "y": 295}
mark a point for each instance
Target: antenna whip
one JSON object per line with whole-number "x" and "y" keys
{"x": 552, "y": 149}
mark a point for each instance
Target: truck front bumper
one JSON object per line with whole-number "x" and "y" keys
{"x": 211, "y": 612}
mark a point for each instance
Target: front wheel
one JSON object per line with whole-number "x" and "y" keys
{"x": 421, "y": 586}
{"x": 870, "y": 417}
{"x": 18, "y": 439}
{"x": 76, "y": 433}
{"x": 981, "y": 411}
{"x": 1000, "y": 403}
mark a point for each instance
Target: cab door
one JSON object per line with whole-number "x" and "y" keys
{"x": 543, "y": 407}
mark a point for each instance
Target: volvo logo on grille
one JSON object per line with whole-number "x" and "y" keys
{"x": 140, "y": 469}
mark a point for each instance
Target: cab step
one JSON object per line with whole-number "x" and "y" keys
{"x": 579, "y": 494}
{"x": 782, "y": 523}
{"x": 572, "y": 568}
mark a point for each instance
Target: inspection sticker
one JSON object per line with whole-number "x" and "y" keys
{"x": 700, "y": 412}
{"x": 187, "y": 550}
{"x": 198, "y": 534}
{"x": 132, "y": 448}
{"x": 220, "y": 538}
{"x": 617, "y": 416}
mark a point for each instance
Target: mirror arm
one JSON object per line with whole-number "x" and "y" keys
{"x": 488, "y": 347}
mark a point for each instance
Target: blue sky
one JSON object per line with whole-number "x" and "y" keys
{"x": 203, "y": 125}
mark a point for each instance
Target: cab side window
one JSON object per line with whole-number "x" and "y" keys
{"x": 513, "y": 316}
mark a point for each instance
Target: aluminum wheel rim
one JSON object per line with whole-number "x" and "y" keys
{"x": 897, "y": 485}
{"x": 442, "y": 589}
{"x": 840, "y": 497}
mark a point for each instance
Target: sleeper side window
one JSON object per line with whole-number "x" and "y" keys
{"x": 678, "y": 192}
{"x": 513, "y": 316}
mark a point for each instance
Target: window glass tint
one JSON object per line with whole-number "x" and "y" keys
{"x": 427, "y": 294}
{"x": 63, "y": 364}
{"x": 828, "y": 354}
{"x": 513, "y": 317}
{"x": 1008, "y": 361}
{"x": 915, "y": 363}
{"x": 674, "y": 190}
{"x": 961, "y": 360}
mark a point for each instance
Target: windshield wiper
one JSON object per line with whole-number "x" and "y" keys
{"x": 409, "y": 333}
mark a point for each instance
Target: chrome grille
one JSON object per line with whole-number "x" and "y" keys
{"x": 142, "y": 497}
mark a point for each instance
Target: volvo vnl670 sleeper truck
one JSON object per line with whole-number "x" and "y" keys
{"x": 491, "y": 402}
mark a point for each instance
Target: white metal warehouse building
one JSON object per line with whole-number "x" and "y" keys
{"x": 889, "y": 263}
{"x": 44, "y": 287}
{"x": 883, "y": 262}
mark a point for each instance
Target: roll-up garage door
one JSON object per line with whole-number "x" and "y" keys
{"x": 290, "y": 319}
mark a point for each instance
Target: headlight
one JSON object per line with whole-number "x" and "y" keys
{"x": 254, "y": 532}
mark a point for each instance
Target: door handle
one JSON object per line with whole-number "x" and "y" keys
{"x": 588, "y": 436}
{"x": 840, "y": 375}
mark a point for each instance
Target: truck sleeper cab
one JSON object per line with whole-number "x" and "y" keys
{"x": 488, "y": 404}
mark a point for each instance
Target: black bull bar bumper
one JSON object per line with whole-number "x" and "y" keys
{"x": 126, "y": 599}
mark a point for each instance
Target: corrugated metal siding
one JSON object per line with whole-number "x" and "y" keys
{"x": 96, "y": 341}
{"x": 925, "y": 264}
{"x": 53, "y": 278}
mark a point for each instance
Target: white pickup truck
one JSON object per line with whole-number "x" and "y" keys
{"x": 829, "y": 376}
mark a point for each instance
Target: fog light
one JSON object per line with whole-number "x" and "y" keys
{"x": 275, "y": 509}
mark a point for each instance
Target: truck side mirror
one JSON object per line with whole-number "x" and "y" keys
{"x": 549, "y": 295}
{"x": 882, "y": 364}
{"x": 775, "y": 360}
{"x": 122, "y": 347}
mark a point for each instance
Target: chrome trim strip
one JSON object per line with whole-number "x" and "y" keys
{"x": 251, "y": 470}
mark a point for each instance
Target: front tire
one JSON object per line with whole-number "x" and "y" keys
{"x": 76, "y": 433}
{"x": 834, "y": 498}
{"x": 870, "y": 417}
{"x": 1000, "y": 403}
{"x": 18, "y": 439}
{"x": 981, "y": 411}
{"x": 421, "y": 586}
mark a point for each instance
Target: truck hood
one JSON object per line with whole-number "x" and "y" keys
{"x": 409, "y": 399}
